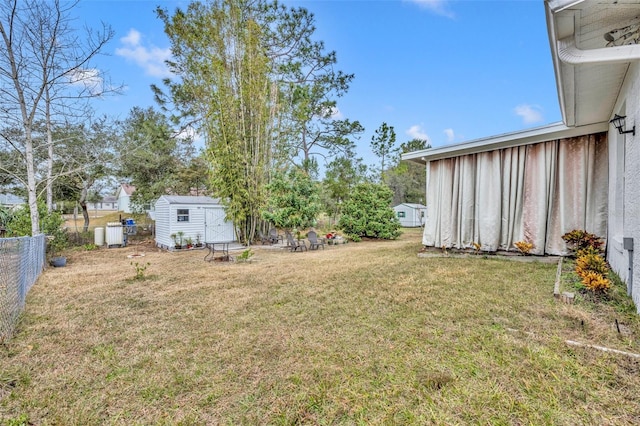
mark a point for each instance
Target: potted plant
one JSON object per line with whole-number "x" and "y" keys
{"x": 198, "y": 240}
{"x": 189, "y": 242}
{"x": 174, "y": 237}
{"x": 180, "y": 241}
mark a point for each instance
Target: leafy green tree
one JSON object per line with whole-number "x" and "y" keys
{"x": 382, "y": 144}
{"x": 84, "y": 158}
{"x": 19, "y": 223}
{"x": 225, "y": 84}
{"x": 293, "y": 200}
{"x": 238, "y": 64}
{"x": 406, "y": 179}
{"x": 192, "y": 178}
{"x": 5, "y": 217}
{"x": 316, "y": 131}
{"x": 341, "y": 175}
{"x": 151, "y": 155}
{"x": 368, "y": 213}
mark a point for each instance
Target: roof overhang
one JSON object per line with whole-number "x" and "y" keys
{"x": 589, "y": 73}
{"x": 506, "y": 140}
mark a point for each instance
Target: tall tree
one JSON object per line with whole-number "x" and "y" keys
{"x": 85, "y": 158}
{"x": 382, "y": 144}
{"x": 151, "y": 154}
{"x": 317, "y": 129}
{"x": 341, "y": 176}
{"x": 225, "y": 86}
{"x": 235, "y": 60}
{"x": 41, "y": 60}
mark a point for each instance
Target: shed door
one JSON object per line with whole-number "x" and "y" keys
{"x": 216, "y": 228}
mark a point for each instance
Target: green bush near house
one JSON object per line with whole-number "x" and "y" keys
{"x": 368, "y": 213}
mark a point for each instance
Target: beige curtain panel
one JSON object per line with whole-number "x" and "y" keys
{"x": 531, "y": 193}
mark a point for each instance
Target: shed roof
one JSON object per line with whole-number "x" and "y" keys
{"x": 413, "y": 205}
{"x": 190, "y": 199}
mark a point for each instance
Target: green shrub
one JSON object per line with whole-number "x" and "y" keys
{"x": 140, "y": 269}
{"x": 368, "y": 213}
{"x": 293, "y": 200}
{"x": 50, "y": 224}
{"x": 245, "y": 256}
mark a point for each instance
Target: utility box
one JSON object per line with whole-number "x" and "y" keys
{"x": 114, "y": 235}
{"x": 627, "y": 243}
{"x": 98, "y": 236}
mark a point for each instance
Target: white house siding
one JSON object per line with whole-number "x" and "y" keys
{"x": 624, "y": 187}
{"x": 162, "y": 225}
{"x": 102, "y": 206}
{"x": 123, "y": 202}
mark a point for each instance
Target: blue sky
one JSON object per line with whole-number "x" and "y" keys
{"x": 447, "y": 71}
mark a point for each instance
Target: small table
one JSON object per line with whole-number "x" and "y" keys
{"x": 222, "y": 249}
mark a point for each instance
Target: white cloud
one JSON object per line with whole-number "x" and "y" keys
{"x": 530, "y": 114}
{"x": 450, "y": 135}
{"x": 439, "y": 7}
{"x": 132, "y": 39}
{"x": 417, "y": 132}
{"x": 89, "y": 79}
{"x": 149, "y": 58}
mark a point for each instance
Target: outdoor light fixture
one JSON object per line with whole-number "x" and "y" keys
{"x": 624, "y": 36}
{"x": 619, "y": 123}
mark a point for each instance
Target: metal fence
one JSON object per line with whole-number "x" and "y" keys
{"x": 21, "y": 263}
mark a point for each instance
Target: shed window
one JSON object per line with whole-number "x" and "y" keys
{"x": 183, "y": 215}
{"x": 401, "y": 214}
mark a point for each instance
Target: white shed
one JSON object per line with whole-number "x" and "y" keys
{"x": 410, "y": 215}
{"x": 196, "y": 216}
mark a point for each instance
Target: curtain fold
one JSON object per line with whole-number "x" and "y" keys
{"x": 534, "y": 193}
{"x": 513, "y": 160}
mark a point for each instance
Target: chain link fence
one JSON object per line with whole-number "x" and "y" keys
{"x": 21, "y": 262}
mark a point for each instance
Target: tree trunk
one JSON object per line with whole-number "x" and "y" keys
{"x": 49, "y": 182}
{"x": 83, "y": 204}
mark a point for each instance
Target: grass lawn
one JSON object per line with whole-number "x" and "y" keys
{"x": 363, "y": 333}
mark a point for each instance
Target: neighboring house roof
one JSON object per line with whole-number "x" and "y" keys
{"x": 109, "y": 199}
{"x": 10, "y": 200}
{"x": 506, "y": 140}
{"x": 190, "y": 199}
{"x": 126, "y": 188}
{"x": 589, "y": 73}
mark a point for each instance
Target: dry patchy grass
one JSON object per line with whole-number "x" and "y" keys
{"x": 363, "y": 333}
